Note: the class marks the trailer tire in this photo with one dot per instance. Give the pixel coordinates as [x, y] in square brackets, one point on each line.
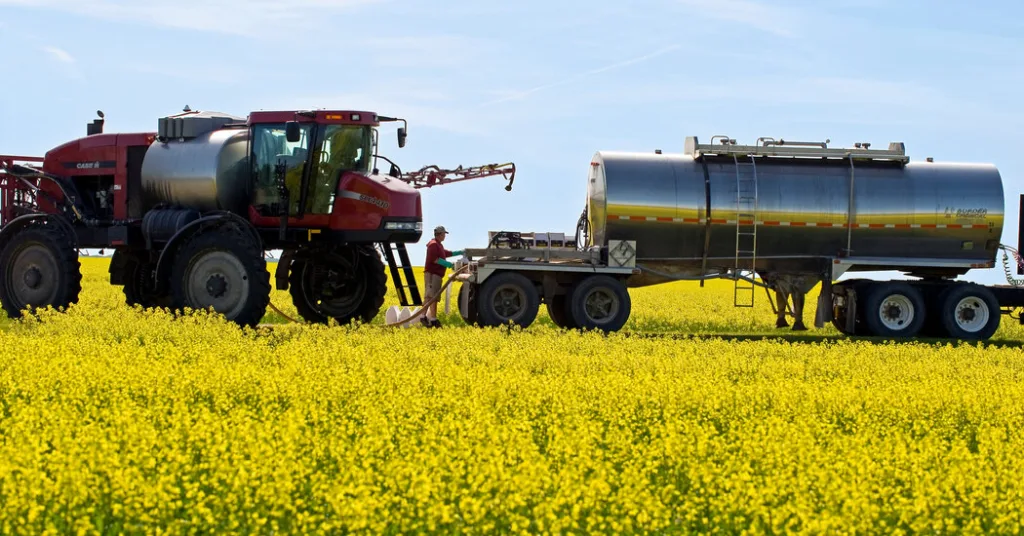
[369, 291]
[893, 309]
[468, 304]
[40, 269]
[558, 311]
[969, 312]
[520, 301]
[839, 319]
[224, 270]
[599, 302]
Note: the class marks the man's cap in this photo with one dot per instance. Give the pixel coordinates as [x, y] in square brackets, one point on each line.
[440, 229]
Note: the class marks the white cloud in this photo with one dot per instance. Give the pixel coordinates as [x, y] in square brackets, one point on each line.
[59, 54]
[519, 95]
[773, 18]
[239, 17]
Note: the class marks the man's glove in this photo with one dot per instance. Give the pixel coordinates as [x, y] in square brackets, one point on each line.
[457, 252]
[445, 263]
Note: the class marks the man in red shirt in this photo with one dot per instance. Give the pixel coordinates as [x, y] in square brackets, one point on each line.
[433, 273]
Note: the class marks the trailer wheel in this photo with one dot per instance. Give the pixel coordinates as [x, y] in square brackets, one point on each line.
[507, 297]
[839, 317]
[893, 309]
[351, 287]
[969, 312]
[468, 304]
[225, 271]
[558, 311]
[599, 302]
[40, 269]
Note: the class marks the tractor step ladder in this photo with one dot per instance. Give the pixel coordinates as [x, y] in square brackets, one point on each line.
[746, 231]
[402, 276]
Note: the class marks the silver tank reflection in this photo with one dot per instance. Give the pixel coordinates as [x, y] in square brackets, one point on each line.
[810, 195]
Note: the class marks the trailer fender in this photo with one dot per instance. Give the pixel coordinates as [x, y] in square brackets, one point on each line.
[21, 222]
[209, 221]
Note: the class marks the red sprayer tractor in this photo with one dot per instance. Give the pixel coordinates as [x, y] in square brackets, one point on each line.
[191, 210]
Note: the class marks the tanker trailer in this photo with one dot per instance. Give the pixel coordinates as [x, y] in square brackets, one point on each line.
[785, 216]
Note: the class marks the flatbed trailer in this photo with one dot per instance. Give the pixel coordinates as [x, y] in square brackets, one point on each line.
[580, 288]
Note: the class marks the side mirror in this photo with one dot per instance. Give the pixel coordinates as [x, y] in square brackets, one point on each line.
[393, 171]
[291, 131]
[401, 136]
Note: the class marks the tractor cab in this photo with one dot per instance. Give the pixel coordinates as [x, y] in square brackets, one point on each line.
[297, 159]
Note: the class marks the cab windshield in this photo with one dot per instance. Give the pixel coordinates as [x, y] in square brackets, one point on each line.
[336, 149]
[341, 148]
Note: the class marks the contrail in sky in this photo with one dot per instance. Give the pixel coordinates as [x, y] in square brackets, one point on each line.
[522, 94]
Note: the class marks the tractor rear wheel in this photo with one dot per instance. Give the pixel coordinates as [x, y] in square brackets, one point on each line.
[346, 284]
[223, 270]
[40, 268]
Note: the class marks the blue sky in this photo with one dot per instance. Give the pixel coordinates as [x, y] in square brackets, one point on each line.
[542, 84]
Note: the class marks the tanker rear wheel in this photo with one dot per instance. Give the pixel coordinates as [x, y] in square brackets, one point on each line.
[893, 309]
[351, 287]
[968, 311]
[40, 269]
[222, 270]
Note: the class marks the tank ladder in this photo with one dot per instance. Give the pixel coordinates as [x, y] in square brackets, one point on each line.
[408, 282]
[746, 232]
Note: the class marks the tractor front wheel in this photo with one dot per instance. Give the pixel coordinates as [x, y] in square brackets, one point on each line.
[348, 283]
[223, 270]
[40, 268]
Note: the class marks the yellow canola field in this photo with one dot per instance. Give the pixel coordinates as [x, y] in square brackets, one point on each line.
[115, 421]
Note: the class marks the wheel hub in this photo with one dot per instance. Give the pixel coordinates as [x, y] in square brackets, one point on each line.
[33, 278]
[216, 285]
[219, 280]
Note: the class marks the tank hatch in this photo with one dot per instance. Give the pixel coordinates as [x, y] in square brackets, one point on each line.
[192, 124]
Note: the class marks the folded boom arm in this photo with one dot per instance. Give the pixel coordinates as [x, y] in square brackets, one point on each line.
[429, 176]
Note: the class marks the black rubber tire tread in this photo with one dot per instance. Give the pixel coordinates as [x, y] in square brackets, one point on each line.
[948, 300]
[134, 291]
[238, 243]
[558, 311]
[839, 322]
[55, 238]
[877, 291]
[576, 304]
[488, 317]
[471, 316]
[368, 309]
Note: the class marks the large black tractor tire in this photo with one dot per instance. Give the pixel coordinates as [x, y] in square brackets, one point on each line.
[508, 297]
[968, 311]
[322, 290]
[222, 269]
[40, 268]
[139, 282]
[558, 312]
[892, 309]
[600, 303]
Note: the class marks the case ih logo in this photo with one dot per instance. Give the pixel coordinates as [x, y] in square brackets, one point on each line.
[95, 164]
[349, 194]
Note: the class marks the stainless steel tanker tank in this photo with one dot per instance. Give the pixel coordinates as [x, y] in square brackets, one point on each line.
[905, 216]
[207, 171]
